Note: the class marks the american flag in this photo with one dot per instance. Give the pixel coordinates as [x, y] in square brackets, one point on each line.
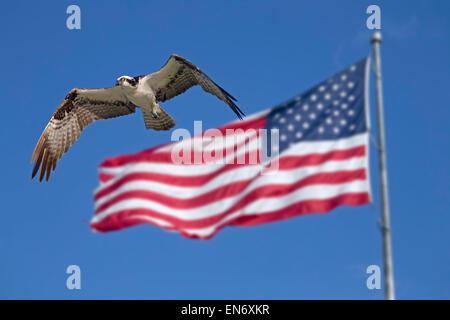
[320, 162]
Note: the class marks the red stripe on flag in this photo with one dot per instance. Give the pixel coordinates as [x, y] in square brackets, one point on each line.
[313, 159]
[262, 192]
[104, 177]
[149, 154]
[187, 181]
[124, 219]
[233, 189]
[285, 163]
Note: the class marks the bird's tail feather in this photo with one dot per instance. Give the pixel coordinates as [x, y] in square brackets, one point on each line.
[161, 122]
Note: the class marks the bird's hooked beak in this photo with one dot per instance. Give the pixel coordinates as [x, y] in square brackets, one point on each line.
[117, 82]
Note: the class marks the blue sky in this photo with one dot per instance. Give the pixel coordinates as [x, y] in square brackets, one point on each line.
[263, 52]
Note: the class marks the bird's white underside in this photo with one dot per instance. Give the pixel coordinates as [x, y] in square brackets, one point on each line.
[84, 106]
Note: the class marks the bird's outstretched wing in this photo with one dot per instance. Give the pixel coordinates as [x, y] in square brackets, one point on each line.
[178, 75]
[78, 109]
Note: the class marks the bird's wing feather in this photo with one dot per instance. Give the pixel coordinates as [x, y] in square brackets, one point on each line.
[78, 109]
[178, 75]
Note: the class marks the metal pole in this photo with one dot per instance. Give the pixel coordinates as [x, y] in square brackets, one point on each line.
[385, 220]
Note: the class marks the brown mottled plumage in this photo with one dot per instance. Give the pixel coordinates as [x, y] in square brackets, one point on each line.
[79, 108]
[178, 75]
[83, 106]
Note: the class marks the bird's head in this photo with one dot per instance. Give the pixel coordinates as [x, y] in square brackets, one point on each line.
[126, 81]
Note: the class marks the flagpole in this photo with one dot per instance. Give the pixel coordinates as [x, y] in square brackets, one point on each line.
[385, 219]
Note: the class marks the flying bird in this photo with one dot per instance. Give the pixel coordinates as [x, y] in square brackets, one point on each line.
[81, 107]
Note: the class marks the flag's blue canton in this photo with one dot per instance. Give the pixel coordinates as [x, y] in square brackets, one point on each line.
[333, 109]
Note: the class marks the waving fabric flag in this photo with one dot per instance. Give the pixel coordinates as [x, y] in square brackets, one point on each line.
[321, 162]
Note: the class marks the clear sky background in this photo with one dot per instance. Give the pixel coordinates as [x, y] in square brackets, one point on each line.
[263, 52]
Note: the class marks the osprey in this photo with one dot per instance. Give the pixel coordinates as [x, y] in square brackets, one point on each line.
[83, 106]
